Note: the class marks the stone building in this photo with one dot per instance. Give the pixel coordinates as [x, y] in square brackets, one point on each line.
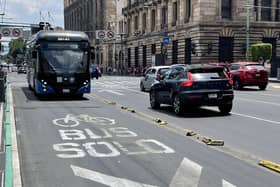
[199, 31]
[92, 15]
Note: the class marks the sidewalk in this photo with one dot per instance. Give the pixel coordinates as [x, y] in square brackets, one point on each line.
[274, 80]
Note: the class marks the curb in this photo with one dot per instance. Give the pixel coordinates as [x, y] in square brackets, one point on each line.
[274, 81]
[12, 167]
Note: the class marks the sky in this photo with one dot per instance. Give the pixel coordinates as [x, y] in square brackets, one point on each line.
[28, 11]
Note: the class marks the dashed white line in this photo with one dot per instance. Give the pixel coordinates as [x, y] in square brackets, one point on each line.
[257, 118]
[2, 179]
[1, 123]
[258, 101]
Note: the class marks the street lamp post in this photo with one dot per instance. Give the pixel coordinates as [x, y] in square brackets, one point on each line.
[247, 25]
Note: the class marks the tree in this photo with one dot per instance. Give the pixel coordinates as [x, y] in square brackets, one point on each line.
[16, 47]
[261, 51]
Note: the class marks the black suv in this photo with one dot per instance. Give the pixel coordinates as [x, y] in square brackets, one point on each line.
[193, 86]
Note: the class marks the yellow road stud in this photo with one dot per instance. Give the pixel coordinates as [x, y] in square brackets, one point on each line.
[270, 165]
[124, 107]
[191, 133]
[163, 122]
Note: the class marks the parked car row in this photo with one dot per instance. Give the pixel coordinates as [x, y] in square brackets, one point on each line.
[188, 86]
[242, 74]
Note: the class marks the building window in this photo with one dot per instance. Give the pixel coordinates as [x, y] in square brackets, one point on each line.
[266, 10]
[136, 23]
[256, 9]
[187, 10]
[144, 22]
[226, 9]
[120, 26]
[277, 15]
[128, 26]
[154, 49]
[153, 20]
[175, 14]
[136, 56]
[164, 16]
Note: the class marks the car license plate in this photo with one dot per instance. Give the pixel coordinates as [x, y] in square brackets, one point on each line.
[258, 75]
[65, 90]
[212, 96]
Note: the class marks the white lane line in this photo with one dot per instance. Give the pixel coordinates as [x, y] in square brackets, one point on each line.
[257, 118]
[1, 123]
[2, 179]
[15, 154]
[258, 101]
[105, 179]
[187, 175]
[111, 91]
[271, 95]
[227, 184]
[256, 94]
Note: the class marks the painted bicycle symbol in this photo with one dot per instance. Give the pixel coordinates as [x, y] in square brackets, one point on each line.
[73, 121]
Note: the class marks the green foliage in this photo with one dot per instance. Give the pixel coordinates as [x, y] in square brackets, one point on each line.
[16, 47]
[261, 51]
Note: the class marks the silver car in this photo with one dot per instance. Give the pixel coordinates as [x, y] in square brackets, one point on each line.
[152, 75]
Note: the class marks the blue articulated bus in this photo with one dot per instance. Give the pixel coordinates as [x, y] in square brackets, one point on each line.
[58, 63]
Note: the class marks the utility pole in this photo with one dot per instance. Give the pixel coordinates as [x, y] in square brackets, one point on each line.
[165, 31]
[247, 25]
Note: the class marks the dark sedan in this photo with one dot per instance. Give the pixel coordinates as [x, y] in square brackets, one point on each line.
[194, 86]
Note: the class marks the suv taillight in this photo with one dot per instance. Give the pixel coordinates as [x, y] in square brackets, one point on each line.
[188, 82]
[229, 77]
[158, 75]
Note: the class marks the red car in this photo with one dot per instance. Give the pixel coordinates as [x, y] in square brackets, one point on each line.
[248, 74]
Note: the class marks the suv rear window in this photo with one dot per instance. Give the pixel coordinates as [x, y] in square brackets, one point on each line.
[163, 71]
[208, 75]
[254, 66]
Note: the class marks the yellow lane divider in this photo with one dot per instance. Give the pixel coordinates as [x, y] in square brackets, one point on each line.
[270, 165]
[206, 140]
[191, 133]
[160, 122]
[210, 141]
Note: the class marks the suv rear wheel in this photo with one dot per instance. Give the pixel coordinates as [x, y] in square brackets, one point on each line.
[262, 86]
[236, 84]
[225, 108]
[153, 100]
[177, 105]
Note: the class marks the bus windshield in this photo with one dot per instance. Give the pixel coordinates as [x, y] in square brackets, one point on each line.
[63, 57]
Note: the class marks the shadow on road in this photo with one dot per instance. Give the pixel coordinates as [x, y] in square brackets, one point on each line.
[30, 95]
[191, 113]
[250, 89]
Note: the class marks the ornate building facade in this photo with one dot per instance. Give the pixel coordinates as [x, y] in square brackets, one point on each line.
[92, 15]
[198, 31]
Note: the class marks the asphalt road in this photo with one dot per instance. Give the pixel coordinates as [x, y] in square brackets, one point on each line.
[90, 142]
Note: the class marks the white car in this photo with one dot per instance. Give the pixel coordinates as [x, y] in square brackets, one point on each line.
[152, 75]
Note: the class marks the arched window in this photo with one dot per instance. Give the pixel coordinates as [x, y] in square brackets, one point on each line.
[226, 9]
